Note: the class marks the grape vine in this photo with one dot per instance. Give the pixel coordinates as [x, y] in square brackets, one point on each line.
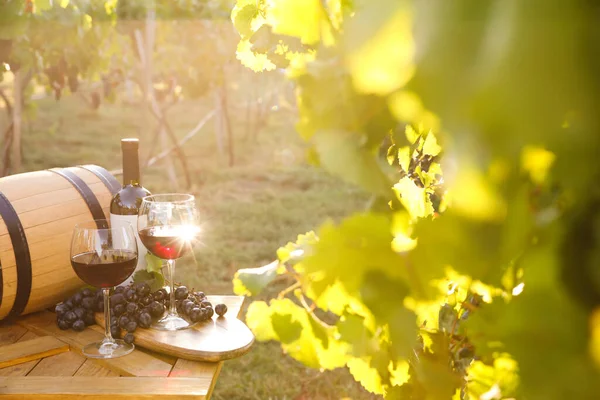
[470, 276]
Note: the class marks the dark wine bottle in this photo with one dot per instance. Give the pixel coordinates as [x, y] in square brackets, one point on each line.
[126, 203]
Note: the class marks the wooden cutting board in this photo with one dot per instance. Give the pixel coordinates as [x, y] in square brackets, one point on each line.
[220, 338]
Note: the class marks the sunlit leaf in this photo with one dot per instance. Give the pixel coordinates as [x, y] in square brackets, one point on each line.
[406, 106]
[411, 134]
[536, 161]
[251, 281]
[286, 329]
[399, 374]
[415, 199]
[473, 196]
[243, 17]
[305, 20]
[259, 321]
[153, 263]
[431, 146]
[365, 374]
[341, 153]
[383, 62]
[255, 61]
[404, 155]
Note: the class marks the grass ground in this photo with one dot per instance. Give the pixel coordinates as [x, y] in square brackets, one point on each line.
[248, 211]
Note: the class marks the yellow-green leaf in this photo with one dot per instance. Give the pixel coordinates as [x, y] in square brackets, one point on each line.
[431, 146]
[304, 19]
[383, 62]
[415, 199]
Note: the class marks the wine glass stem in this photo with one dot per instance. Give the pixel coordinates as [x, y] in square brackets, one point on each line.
[107, 336]
[171, 272]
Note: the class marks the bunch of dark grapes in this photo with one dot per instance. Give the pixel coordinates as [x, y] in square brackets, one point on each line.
[194, 305]
[133, 306]
[77, 311]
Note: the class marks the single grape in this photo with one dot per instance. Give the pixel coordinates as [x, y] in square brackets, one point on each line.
[144, 320]
[158, 296]
[147, 300]
[200, 295]
[115, 331]
[116, 299]
[76, 298]
[88, 303]
[123, 321]
[221, 309]
[143, 289]
[79, 312]
[119, 309]
[70, 317]
[129, 294]
[204, 314]
[119, 289]
[156, 309]
[131, 326]
[187, 307]
[89, 319]
[61, 309]
[100, 306]
[205, 304]
[87, 292]
[63, 325]
[195, 314]
[69, 304]
[131, 308]
[128, 338]
[78, 325]
[181, 293]
[210, 312]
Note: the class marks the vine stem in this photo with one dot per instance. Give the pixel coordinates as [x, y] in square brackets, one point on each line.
[310, 311]
[285, 291]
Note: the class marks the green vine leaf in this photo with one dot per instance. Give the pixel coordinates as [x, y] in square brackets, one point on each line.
[251, 281]
[153, 263]
[342, 154]
[154, 279]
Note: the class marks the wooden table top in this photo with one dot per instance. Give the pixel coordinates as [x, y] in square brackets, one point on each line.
[37, 358]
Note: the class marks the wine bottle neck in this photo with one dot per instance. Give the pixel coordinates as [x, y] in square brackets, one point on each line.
[131, 167]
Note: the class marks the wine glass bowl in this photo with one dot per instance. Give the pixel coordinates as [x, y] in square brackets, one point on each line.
[104, 257]
[168, 228]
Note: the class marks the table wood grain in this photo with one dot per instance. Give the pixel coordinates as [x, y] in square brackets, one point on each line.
[143, 374]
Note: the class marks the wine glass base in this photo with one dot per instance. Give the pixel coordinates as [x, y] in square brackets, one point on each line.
[171, 323]
[117, 348]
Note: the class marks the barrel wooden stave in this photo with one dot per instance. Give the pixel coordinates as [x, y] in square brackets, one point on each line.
[48, 206]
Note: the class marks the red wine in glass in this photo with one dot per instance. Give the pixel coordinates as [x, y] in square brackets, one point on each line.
[105, 270]
[104, 256]
[169, 242]
[168, 228]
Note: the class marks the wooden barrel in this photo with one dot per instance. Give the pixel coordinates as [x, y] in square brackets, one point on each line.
[38, 211]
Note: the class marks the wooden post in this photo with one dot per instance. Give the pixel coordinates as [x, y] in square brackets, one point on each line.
[16, 120]
[218, 120]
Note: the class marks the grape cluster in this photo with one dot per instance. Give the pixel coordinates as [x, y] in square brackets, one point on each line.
[77, 311]
[133, 306]
[194, 305]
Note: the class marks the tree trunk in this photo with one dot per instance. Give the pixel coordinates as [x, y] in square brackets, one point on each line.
[16, 124]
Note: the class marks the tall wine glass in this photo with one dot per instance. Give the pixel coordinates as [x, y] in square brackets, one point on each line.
[104, 257]
[168, 225]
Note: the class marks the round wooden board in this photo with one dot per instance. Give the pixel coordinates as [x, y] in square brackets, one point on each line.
[221, 338]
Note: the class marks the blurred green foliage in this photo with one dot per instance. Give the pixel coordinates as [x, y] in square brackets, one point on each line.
[478, 280]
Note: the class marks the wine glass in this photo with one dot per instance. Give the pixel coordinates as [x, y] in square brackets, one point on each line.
[167, 225]
[104, 257]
